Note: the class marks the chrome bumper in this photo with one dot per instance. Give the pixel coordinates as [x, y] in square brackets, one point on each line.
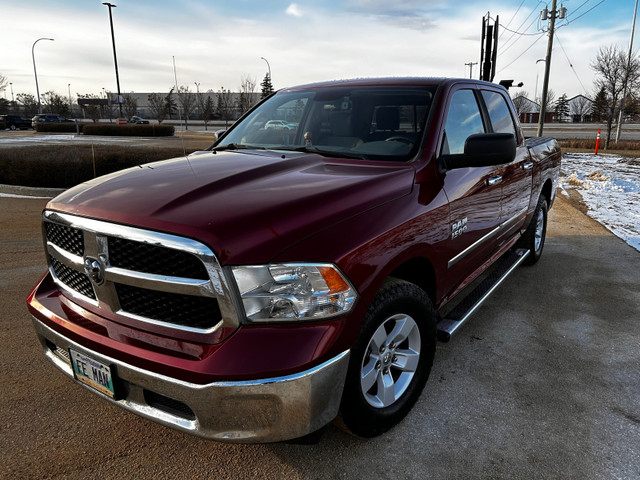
[264, 410]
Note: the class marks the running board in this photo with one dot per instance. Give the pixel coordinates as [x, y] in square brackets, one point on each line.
[461, 313]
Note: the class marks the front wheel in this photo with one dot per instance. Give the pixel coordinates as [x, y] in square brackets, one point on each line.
[391, 360]
[534, 237]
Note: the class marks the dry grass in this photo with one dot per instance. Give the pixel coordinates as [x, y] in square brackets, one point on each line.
[626, 148]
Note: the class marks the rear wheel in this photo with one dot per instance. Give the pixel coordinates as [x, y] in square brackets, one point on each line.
[391, 360]
[533, 239]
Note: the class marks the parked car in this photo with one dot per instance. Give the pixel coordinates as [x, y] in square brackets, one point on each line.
[15, 122]
[138, 120]
[251, 292]
[48, 117]
[278, 125]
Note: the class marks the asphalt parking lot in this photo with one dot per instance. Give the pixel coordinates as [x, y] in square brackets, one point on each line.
[543, 383]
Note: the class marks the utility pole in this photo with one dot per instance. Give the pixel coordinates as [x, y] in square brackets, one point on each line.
[624, 90]
[470, 65]
[115, 58]
[547, 67]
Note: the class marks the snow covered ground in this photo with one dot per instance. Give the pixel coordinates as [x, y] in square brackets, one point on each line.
[610, 187]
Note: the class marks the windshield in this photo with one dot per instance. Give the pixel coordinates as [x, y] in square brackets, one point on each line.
[377, 123]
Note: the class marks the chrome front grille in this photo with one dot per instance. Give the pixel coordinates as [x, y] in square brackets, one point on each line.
[77, 281]
[139, 275]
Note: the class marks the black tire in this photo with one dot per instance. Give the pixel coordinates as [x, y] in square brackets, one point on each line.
[400, 311]
[12, 127]
[533, 239]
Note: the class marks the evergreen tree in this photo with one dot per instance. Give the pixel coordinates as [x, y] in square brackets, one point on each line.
[267, 87]
[562, 108]
[600, 110]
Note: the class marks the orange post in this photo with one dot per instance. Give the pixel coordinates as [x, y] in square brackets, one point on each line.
[597, 141]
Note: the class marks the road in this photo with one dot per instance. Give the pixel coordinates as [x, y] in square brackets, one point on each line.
[581, 130]
[542, 383]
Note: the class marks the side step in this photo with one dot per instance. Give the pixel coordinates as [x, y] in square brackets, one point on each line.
[461, 313]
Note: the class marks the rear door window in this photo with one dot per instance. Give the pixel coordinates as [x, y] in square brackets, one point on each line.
[499, 113]
[463, 120]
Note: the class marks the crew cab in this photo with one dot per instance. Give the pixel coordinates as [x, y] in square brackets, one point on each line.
[253, 291]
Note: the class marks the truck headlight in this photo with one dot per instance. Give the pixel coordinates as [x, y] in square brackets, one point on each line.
[293, 291]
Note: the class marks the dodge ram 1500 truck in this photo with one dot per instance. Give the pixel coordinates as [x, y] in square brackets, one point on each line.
[254, 291]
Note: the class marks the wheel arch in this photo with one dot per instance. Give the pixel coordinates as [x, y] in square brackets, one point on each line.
[547, 190]
[419, 271]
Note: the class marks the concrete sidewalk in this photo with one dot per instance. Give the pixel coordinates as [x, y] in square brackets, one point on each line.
[543, 383]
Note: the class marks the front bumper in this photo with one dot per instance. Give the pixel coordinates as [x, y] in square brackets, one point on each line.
[264, 410]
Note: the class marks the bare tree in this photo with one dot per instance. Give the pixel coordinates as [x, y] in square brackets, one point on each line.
[551, 100]
[247, 87]
[187, 101]
[28, 103]
[130, 105]
[206, 107]
[521, 101]
[160, 106]
[581, 106]
[109, 109]
[225, 105]
[4, 81]
[55, 103]
[613, 73]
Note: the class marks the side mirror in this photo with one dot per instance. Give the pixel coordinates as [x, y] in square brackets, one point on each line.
[220, 132]
[483, 150]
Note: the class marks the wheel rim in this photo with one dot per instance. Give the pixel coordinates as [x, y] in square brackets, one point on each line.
[390, 361]
[539, 230]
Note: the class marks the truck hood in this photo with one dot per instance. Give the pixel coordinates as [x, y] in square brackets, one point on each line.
[248, 206]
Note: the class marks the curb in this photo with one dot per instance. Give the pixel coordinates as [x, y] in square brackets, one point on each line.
[30, 191]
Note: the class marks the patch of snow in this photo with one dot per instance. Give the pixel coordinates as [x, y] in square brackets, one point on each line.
[12, 195]
[28, 140]
[610, 187]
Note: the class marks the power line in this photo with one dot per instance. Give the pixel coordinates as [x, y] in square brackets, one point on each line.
[535, 18]
[509, 22]
[570, 63]
[540, 35]
[596, 5]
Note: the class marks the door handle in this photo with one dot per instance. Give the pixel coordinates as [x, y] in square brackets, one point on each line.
[528, 166]
[494, 180]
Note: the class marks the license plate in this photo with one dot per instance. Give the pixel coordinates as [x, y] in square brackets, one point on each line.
[93, 373]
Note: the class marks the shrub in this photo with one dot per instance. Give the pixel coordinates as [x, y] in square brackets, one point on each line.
[68, 127]
[63, 166]
[134, 130]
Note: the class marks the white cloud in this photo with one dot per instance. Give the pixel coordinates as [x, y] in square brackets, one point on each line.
[294, 10]
[215, 43]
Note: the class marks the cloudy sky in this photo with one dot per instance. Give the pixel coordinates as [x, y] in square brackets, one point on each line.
[216, 42]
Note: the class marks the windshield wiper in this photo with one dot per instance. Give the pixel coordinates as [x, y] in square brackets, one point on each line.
[324, 153]
[236, 146]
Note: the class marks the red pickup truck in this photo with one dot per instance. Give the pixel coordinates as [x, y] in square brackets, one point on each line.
[254, 291]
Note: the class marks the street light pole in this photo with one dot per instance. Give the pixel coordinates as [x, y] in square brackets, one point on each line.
[269, 67]
[624, 90]
[115, 58]
[35, 73]
[11, 85]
